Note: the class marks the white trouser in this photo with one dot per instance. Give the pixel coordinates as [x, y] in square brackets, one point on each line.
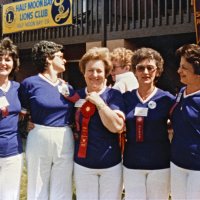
[146, 184]
[49, 154]
[185, 184]
[98, 184]
[10, 176]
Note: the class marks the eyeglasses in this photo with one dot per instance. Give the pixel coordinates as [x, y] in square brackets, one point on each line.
[59, 56]
[150, 68]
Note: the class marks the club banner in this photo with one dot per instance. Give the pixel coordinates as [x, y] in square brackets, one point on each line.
[197, 19]
[36, 14]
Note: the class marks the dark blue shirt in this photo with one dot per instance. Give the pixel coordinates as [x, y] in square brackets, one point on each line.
[10, 140]
[154, 151]
[46, 104]
[103, 149]
[185, 147]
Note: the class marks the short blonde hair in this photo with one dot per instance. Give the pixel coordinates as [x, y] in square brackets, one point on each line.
[122, 55]
[97, 53]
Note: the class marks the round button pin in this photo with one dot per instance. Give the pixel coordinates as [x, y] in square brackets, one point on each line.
[152, 104]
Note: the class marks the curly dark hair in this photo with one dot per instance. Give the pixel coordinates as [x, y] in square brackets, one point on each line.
[42, 50]
[147, 53]
[191, 52]
[8, 48]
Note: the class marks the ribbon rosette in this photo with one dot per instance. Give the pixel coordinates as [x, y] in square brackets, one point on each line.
[87, 110]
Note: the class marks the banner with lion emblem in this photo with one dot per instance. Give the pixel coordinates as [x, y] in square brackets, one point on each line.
[36, 14]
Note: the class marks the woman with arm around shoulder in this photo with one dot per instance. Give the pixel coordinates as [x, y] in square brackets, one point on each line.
[185, 153]
[98, 169]
[50, 145]
[11, 159]
[146, 157]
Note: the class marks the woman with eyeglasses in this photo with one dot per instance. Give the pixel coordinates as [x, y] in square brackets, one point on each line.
[50, 146]
[146, 157]
[11, 158]
[99, 119]
[121, 72]
[185, 147]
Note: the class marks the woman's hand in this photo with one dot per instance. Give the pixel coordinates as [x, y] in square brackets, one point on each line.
[110, 118]
[30, 125]
[94, 98]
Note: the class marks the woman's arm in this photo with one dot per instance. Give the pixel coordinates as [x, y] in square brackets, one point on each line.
[111, 119]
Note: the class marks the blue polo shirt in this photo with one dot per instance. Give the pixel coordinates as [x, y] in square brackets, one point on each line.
[103, 149]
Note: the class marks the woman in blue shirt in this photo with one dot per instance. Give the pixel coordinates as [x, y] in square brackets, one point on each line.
[146, 156]
[11, 159]
[185, 147]
[50, 145]
[98, 168]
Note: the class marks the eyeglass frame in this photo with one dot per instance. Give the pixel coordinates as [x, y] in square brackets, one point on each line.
[150, 68]
[59, 56]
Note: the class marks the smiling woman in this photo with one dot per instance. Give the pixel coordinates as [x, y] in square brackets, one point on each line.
[146, 156]
[10, 141]
[185, 167]
[99, 121]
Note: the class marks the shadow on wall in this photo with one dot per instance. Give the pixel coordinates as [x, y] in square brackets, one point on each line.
[74, 76]
[26, 67]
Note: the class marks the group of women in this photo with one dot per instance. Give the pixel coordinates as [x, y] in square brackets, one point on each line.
[100, 115]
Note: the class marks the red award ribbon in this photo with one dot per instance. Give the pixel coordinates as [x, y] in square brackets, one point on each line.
[4, 111]
[139, 129]
[87, 110]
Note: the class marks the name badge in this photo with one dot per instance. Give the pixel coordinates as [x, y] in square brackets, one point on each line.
[140, 111]
[3, 102]
[79, 103]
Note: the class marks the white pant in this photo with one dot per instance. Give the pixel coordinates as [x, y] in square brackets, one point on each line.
[185, 183]
[10, 176]
[98, 184]
[146, 184]
[49, 153]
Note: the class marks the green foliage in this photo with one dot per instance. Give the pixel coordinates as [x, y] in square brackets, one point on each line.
[23, 193]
